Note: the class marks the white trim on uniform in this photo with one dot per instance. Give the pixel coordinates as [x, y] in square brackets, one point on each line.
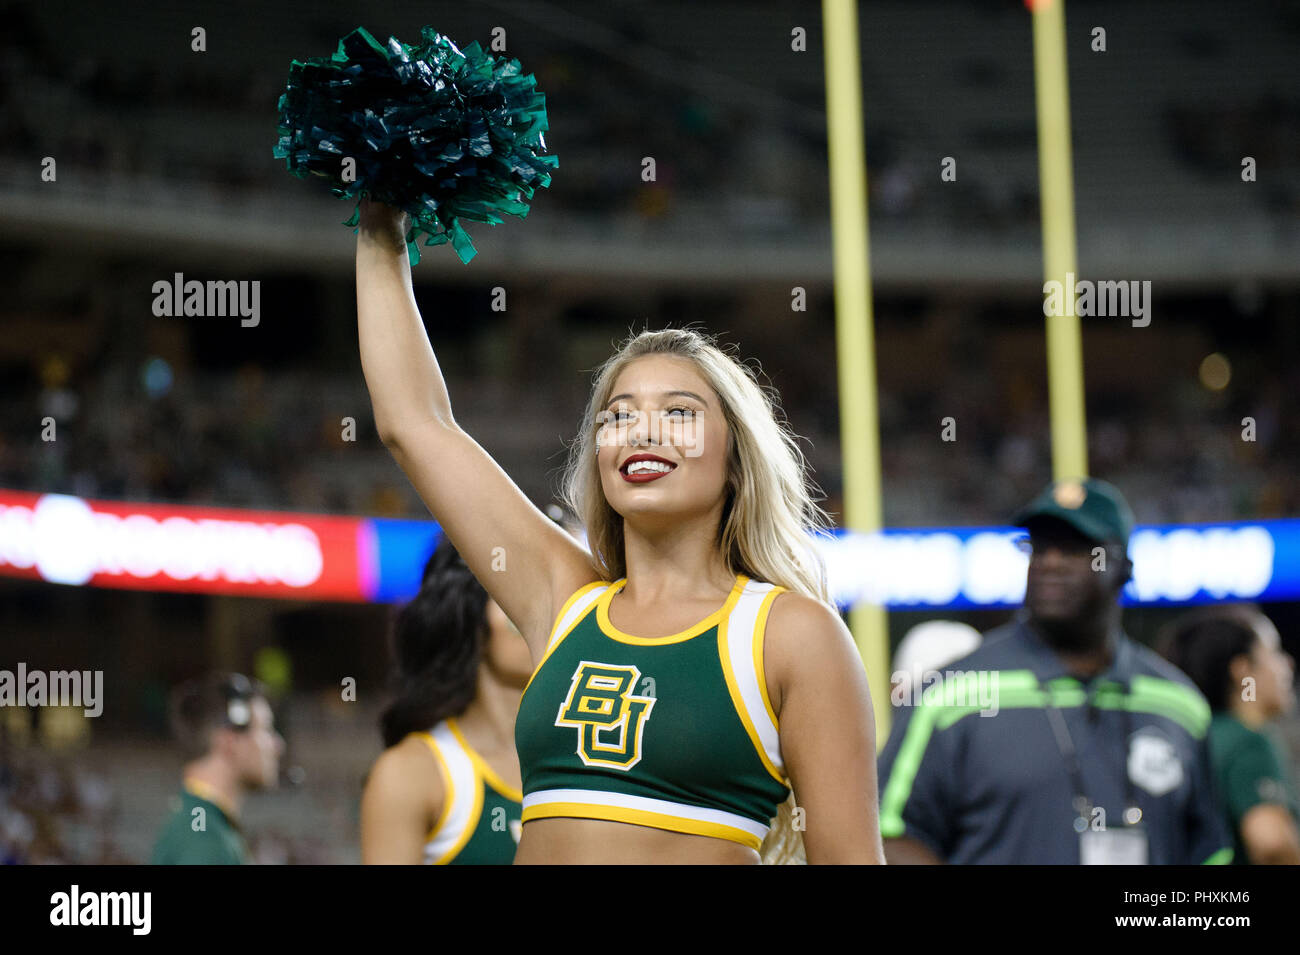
[740, 654]
[575, 613]
[658, 807]
[465, 794]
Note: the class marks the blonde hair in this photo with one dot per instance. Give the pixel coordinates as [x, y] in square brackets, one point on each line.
[769, 508]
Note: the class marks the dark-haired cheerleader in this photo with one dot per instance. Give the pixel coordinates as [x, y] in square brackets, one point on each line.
[447, 789]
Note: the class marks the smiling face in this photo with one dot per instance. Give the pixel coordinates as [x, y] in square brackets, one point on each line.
[663, 442]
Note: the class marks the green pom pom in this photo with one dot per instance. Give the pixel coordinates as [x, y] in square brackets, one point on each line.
[442, 133]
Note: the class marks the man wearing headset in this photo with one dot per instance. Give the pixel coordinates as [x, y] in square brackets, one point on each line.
[1060, 740]
[226, 728]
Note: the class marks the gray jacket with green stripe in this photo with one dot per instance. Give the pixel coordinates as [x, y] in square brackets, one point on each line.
[974, 770]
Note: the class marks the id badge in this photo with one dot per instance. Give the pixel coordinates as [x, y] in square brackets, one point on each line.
[1124, 845]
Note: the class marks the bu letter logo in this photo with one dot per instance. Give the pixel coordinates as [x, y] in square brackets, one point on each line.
[608, 716]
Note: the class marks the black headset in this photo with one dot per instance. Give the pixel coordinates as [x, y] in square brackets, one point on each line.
[239, 694]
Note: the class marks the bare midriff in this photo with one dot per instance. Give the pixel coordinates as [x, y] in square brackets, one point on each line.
[598, 842]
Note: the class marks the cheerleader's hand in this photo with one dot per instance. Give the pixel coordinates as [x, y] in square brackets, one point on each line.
[383, 224]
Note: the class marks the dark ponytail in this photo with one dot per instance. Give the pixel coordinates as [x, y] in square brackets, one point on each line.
[437, 645]
[1204, 643]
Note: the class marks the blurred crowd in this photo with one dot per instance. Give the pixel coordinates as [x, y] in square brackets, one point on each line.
[256, 439]
[60, 806]
[240, 440]
[53, 811]
[1179, 455]
[194, 126]
[741, 147]
[1211, 137]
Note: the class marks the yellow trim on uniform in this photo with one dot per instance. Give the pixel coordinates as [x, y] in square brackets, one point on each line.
[197, 787]
[712, 620]
[449, 794]
[551, 642]
[640, 817]
[584, 686]
[482, 766]
[738, 703]
[577, 594]
[760, 634]
[470, 825]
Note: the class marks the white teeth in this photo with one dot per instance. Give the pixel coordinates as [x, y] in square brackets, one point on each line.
[638, 466]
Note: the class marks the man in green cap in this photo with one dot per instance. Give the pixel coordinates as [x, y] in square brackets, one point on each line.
[1091, 749]
[226, 727]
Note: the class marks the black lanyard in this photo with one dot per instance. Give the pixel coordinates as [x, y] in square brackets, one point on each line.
[1082, 804]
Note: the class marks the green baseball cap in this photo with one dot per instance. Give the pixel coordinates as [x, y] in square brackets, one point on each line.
[1094, 508]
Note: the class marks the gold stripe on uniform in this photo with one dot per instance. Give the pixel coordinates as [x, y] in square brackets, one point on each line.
[481, 765]
[448, 795]
[551, 642]
[760, 631]
[471, 822]
[640, 817]
[738, 702]
[716, 618]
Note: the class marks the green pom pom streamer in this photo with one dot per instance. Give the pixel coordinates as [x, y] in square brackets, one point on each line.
[442, 133]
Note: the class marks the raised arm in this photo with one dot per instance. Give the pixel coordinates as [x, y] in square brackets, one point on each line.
[523, 559]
